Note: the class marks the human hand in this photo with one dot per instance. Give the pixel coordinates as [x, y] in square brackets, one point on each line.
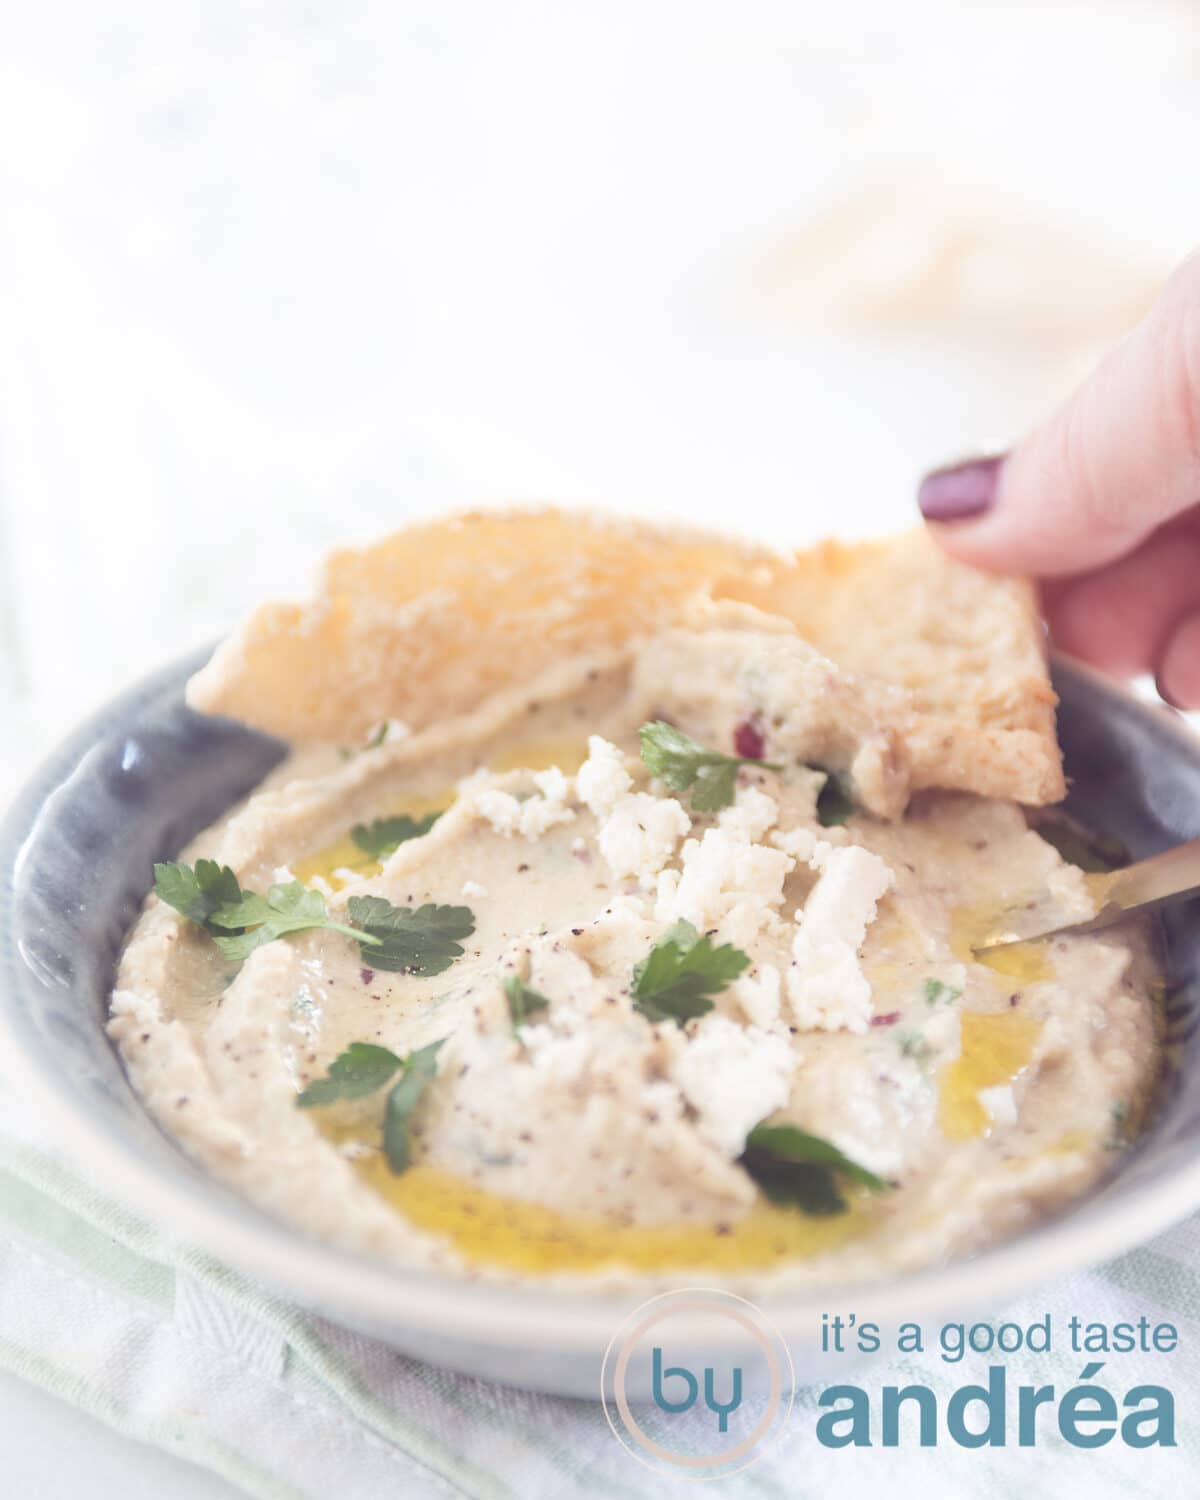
[1102, 504]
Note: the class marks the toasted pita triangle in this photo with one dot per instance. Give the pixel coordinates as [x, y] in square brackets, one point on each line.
[429, 622]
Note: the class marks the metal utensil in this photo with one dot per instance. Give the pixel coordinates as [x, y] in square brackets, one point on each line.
[1171, 876]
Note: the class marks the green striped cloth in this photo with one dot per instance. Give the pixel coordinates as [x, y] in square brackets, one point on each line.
[172, 1348]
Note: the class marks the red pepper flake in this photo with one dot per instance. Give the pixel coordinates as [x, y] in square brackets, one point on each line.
[889, 1019]
[366, 975]
[748, 739]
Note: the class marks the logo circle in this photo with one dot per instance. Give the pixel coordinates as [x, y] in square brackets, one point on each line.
[705, 1338]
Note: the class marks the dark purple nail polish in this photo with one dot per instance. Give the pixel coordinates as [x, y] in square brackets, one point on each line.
[959, 491]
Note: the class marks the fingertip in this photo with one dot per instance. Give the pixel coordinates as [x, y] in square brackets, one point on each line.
[1086, 619]
[975, 511]
[1122, 617]
[1178, 675]
[961, 491]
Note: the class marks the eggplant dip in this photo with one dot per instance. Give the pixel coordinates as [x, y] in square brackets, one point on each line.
[651, 954]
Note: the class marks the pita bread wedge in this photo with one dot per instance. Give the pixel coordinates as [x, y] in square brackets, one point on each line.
[968, 646]
[434, 619]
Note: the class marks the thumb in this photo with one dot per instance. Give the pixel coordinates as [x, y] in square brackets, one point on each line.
[1116, 461]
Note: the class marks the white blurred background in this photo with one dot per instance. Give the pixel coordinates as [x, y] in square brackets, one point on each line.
[274, 276]
[279, 275]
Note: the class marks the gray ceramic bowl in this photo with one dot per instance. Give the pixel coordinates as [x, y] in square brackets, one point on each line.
[136, 782]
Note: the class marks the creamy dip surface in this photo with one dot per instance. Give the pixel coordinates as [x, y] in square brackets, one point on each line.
[589, 1140]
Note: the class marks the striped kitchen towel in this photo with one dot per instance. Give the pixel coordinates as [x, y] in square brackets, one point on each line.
[112, 1314]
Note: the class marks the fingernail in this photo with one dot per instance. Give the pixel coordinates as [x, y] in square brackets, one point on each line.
[960, 491]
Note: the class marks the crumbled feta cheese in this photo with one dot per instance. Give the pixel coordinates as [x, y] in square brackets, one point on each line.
[602, 780]
[801, 843]
[751, 814]
[638, 832]
[744, 923]
[500, 809]
[639, 836]
[727, 880]
[565, 1057]
[1000, 1104]
[473, 888]
[758, 994]
[827, 989]
[553, 785]
[720, 871]
[283, 875]
[733, 1077]
[842, 903]
[533, 816]
[825, 983]
[664, 1099]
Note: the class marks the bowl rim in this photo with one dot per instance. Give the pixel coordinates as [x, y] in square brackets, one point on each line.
[365, 1291]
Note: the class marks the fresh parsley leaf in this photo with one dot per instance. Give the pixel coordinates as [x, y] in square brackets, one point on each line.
[679, 761]
[239, 920]
[675, 980]
[522, 1001]
[417, 1072]
[938, 993]
[806, 1186]
[834, 806]
[197, 893]
[424, 940]
[364, 1068]
[1094, 852]
[790, 1143]
[795, 1168]
[384, 836]
[358, 1071]
[254, 920]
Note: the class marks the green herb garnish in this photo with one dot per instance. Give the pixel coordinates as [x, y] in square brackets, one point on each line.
[1094, 852]
[197, 892]
[522, 1001]
[384, 836]
[417, 1072]
[237, 920]
[937, 993]
[675, 980]
[682, 763]
[423, 941]
[801, 1170]
[834, 805]
[362, 1069]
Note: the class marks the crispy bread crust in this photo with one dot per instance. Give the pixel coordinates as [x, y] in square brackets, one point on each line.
[434, 619]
